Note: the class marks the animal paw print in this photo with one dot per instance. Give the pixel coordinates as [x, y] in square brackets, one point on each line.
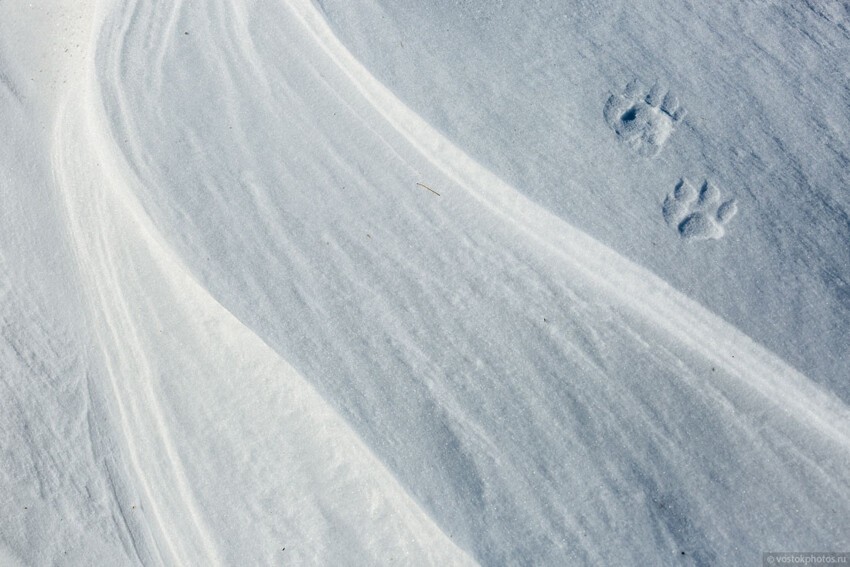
[644, 122]
[698, 215]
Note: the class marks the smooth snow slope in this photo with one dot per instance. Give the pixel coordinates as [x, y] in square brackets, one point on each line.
[766, 86]
[288, 343]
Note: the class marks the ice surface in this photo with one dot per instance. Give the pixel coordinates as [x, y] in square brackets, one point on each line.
[376, 283]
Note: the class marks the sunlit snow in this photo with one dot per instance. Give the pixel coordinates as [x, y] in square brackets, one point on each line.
[350, 282]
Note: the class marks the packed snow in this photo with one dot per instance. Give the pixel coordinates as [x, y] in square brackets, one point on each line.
[349, 282]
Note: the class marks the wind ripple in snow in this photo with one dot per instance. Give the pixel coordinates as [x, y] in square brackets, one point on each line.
[539, 397]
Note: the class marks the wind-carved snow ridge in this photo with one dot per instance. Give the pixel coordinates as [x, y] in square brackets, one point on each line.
[614, 280]
[635, 286]
[156, 465]
[175, 453]
[235, 457]
[644, 121]
[581, 395]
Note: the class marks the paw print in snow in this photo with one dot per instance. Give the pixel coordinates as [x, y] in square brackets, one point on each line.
[644, 122]
[698, 216]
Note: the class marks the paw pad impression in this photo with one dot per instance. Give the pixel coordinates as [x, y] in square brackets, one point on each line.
[698, 215]
[644, 121]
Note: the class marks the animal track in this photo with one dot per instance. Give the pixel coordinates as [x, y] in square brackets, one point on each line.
[698, 216]
[644, 122]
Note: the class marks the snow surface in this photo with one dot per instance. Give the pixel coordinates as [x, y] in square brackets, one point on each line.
[360, 283]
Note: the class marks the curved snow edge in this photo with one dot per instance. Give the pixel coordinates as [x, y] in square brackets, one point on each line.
[92, 176]
[632, 286]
